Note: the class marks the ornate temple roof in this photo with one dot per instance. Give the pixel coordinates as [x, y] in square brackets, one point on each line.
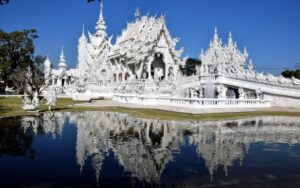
[218, 53]
[142, 36]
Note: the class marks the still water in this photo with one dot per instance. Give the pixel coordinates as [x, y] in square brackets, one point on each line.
[102, 149]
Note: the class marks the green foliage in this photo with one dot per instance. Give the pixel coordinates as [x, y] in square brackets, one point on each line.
[190, 66]
[17, 57]
[91, 1]
[291, 73]
[2, 2]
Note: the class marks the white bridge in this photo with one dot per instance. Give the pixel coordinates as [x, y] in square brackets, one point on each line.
[193, 103]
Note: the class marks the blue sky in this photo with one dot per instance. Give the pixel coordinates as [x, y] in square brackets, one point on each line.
[269, 28]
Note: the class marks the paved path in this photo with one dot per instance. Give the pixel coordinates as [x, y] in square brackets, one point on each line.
[111, 103]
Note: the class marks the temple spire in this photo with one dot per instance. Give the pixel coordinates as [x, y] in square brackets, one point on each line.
[137, 13]
[83, 32]
[62, 62]
[216, 41]
[230, 43]
[47, 62]
[101, 9]
[101, 27]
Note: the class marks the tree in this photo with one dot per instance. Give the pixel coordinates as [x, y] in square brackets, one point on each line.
[190, 66]
[15, 140]
[16, 57]
[287, 74]
[91, 1]
[2, 2]
[291, 73]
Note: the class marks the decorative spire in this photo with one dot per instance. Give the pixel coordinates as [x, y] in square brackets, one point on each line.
[137, 13]
[216, 41]
[83, 32]
[101, 9]
[47, 62]
[246, 52]
[230, 40]
[202, 51]
[83, 38]
[230, 43]
[62, 62]
[101, 27]
[216, 36]
[62, 55]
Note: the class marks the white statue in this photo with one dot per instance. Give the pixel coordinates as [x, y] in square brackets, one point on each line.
[201, 92]
[259, 94]
[158, 73]
[171, 75]
[221, 92]
[242, 94]
[9, 90]
[36, 100]
[31, 105]
[295, 81]
[51, 98]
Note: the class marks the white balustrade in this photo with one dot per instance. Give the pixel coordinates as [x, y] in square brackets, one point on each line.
[193, 103]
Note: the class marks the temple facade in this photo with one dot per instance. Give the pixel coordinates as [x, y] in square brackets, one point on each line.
[60, 78]
[144, 67]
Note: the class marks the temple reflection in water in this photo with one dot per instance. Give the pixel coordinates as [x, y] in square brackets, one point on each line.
[145, 147]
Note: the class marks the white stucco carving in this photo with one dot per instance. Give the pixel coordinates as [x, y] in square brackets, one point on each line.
[31, 104]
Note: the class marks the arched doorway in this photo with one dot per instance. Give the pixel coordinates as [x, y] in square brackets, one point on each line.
[158, 68]
[232, 93]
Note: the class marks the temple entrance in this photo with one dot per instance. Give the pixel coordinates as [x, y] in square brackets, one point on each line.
[63, 82]
[232, 93]
[152, 71]
[158, 68]
[126, 76]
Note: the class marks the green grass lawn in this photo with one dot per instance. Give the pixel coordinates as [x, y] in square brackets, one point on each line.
[12, 107]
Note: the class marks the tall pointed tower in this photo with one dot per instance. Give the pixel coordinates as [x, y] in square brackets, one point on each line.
[101, 27]
[83, 54]
[47, 70]
[62, 62]
[99, 49]
[216, 42]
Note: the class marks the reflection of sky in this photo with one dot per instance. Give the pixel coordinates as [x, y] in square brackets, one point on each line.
[112, 145]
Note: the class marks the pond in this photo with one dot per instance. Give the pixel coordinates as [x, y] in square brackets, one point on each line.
[105, 149]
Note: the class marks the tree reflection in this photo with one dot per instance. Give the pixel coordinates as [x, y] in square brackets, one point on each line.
[15, 140]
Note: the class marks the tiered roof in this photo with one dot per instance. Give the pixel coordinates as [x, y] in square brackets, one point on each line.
[141, 37]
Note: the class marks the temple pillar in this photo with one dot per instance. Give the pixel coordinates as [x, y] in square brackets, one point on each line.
[123, 76]
[166, 71]
[149, 71]
[117, 77]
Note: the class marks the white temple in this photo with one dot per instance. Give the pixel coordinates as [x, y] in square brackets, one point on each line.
[143, 67]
